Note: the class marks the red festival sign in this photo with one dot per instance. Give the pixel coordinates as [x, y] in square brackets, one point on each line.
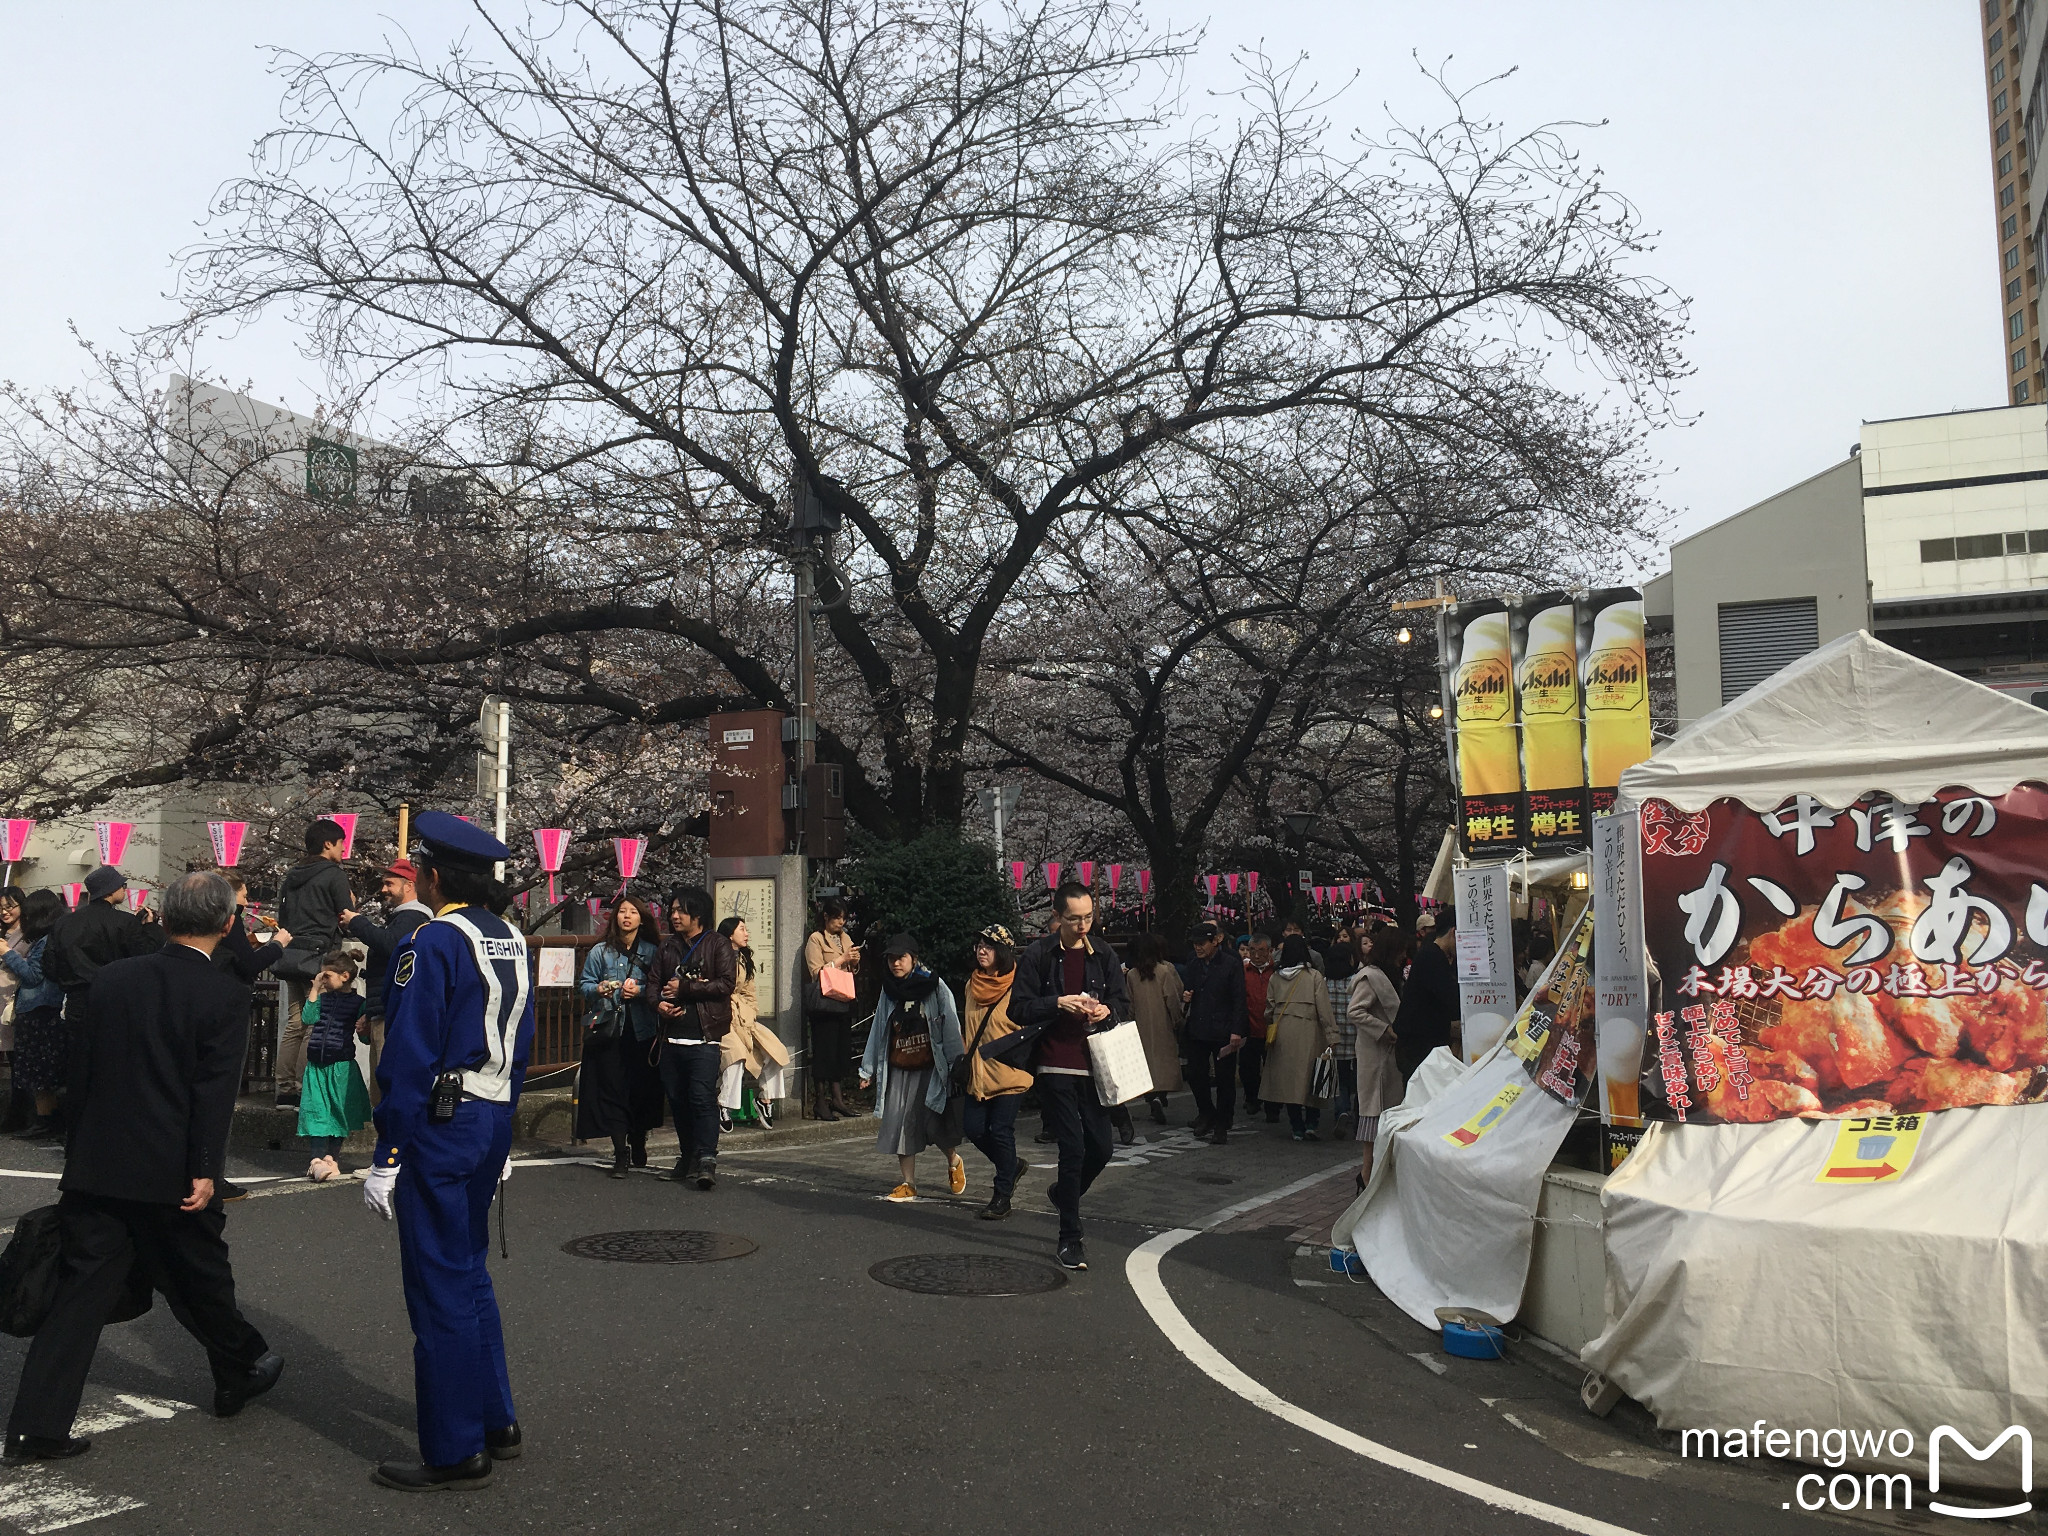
[1882, 959]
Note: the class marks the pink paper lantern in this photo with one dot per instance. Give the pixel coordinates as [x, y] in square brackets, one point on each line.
[1052, 874]
[629, 852]
[227, 838]
[1230, 883]
[1087, 868]
[1212, 881]
[346, 820]
[1144, 882]
[138, 898]
[551, 843]
[596, 906]
[1017, 867]
[1116, 873]
[18, 829]
[1319, 893]
[113, 836]
[72, 892]
[1251, 881]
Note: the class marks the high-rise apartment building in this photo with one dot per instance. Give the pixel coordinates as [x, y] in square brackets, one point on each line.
[2015, 85]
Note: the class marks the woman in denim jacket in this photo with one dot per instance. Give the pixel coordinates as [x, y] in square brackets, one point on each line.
[39, 1044]
[619, 1089]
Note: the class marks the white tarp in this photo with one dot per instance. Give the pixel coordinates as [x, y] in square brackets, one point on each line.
[1739, 1289]
[1854, 716]
[1442, 1225]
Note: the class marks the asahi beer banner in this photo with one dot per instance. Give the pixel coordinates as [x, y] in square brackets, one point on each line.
[1615, 671]
[1621, 979]
[1544, 630]
[1879, 960]
[1479, 665]
[1486, 956]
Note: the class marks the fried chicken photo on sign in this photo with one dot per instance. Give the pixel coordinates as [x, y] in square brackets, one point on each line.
[1782, 1087]
[1935, 1024]
[2009, 1028]
[1930, 1082]
[1792, 944]
[1844, 1038]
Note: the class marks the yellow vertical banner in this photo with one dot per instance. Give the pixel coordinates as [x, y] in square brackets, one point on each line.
[1544, 631]
[1615, 671]
[1480, 663]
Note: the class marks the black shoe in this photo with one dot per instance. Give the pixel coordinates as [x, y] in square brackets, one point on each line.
[44, 1129]
[1219, 1137]
[1272, 1115]
[639, 1154]
[724, 1118]
[1159, 1111]
[1127, 1133]
[27, 1448]
[287, 1101]
[1045, 1136]
[1309, 1135]
[995, 1210]
[1072, 1255]
[225, 1190]
[229, 1397]
[707, 1173]
[683, 1172]
[764, 1111]
[619, 1167]
[503, 1444]
[417, 1477]
[1202, 1127]
[1251, 1106]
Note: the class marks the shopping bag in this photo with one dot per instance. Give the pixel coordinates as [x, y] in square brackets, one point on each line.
[836, 982]
[1118, 1056]
[1325, 1084]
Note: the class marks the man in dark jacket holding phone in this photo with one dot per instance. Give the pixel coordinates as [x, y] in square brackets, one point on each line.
[695, 1011]
[1070, 987]
[310, 902]
[157, 1061]
[1216, 1028]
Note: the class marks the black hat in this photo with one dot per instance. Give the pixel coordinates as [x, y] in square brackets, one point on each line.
[104, 881]
[452, 840]
[900, 944]
[1204, 932]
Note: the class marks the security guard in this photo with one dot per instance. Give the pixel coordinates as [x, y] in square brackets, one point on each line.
[459, 1027]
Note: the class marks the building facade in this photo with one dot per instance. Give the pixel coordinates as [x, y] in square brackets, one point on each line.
[2014, 84]
[1932, 534]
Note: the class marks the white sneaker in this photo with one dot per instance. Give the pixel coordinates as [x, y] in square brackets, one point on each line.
[321, 1169]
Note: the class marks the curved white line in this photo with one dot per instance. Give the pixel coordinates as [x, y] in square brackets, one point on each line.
[1142, 1269]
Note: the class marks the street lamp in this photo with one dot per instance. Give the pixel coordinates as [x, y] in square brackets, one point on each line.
[1298, 823]
[1404, 635]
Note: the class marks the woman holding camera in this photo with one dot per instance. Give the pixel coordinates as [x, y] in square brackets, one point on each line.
[618, 1093]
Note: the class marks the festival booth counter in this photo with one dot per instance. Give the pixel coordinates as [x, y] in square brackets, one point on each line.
[1828, 903]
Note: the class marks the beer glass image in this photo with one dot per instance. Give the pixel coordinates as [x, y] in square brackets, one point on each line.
[1617, 694]
[1552, 757]
[1482, 1032]
[1489, 762]
[1618, 1043]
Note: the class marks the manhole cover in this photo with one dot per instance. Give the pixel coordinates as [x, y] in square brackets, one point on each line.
[659, 1247]
[1214, 1178]
[967, 1274]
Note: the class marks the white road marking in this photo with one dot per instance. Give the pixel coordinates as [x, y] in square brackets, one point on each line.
[26, 1173]
[1431, 1364]
[1142, 1269]
[37, 1499]
[126, 1408]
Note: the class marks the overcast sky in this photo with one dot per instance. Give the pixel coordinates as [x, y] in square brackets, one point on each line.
[1817, 171]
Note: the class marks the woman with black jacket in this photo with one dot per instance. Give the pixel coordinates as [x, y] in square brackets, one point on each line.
[618, 1092]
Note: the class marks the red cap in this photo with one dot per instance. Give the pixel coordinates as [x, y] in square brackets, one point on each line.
[403, 869]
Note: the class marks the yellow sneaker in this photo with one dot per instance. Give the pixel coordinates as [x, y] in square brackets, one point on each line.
[903, 1192]
[956, 1175]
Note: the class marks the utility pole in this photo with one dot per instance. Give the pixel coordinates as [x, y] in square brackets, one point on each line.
[494, 764]
[1001, 803]
[811, 522]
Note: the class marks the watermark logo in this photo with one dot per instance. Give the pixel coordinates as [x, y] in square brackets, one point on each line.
[1949, 1432]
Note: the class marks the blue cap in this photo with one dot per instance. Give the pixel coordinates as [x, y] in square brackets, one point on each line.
[452, 838]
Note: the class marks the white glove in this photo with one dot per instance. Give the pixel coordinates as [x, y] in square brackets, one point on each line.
[377, 1190]
[506, 1173]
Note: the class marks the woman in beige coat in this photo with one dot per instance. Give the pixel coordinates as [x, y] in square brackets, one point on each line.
[1301, 1026]
[1158, 1003]
[1374, 1002]
[749, 1048]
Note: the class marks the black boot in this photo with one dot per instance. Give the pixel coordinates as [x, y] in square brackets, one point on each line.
[639, 1144]
[1158, 1103]
[707, 1173]
[619, 1157]
[417, 1477]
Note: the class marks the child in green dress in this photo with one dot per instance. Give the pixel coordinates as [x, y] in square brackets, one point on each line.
[333, 1102]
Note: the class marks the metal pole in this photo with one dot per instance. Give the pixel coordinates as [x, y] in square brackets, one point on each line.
[997, 796]
[504, 776]
[404, 826]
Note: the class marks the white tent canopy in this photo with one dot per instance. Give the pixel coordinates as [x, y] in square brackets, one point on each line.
[1854, 716]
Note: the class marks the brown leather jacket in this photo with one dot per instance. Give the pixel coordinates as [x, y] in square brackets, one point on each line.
[703, 970]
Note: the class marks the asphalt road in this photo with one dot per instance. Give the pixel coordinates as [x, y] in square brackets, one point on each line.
[787, 1391]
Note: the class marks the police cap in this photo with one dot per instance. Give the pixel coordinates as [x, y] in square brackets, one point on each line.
[451, 840]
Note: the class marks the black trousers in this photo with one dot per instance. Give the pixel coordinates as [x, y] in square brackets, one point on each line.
[689, 1076]
[830, 1034]
[1080, 1124]
[991, 1124]
[1213, 1081]
[1251, 1065]
[186, 1258]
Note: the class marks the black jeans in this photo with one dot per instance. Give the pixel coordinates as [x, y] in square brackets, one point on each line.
[829, 1055]
[991, 1124]
[689, 1076]
[1080, 1124]
[186, 1258]
[1202, 1068]
[1301, 1117]
[1251, 1065]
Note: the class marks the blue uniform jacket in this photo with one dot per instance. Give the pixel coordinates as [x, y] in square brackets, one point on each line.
[435, 1000]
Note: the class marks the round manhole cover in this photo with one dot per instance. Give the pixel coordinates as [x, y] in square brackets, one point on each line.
[659, 1247]
[967, 1274]
[1214, 1178]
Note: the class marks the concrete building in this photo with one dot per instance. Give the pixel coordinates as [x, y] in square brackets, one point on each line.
[1932, 534]
[2014, 42]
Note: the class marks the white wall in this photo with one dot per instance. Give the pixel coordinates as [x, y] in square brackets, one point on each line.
[1961, 445]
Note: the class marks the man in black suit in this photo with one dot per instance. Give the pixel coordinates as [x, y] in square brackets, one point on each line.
[156, 1063]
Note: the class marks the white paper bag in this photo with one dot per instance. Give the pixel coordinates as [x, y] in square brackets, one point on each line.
[1118, 1056]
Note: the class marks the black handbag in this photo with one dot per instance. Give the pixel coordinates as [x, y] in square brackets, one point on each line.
[1015, 1048]
[605, 1022]
[32, 1268]
[300, 965]
[818, 1005]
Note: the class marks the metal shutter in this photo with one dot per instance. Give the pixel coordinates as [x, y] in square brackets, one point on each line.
[1759, 638]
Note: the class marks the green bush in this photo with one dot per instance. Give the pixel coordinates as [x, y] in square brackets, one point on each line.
[940, 888]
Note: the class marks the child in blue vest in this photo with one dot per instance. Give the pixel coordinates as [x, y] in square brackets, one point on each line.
[333, 1102]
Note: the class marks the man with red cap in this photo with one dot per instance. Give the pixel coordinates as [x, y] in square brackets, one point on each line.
[404, 912]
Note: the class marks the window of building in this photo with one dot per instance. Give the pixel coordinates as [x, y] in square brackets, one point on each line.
[2004, 130]
[1998, 106]
[1935, 551]
[2005, 196]
[2010, 227]
[2019, 361]
[1980, 546]
[2012, 290]
[1990, 10]
[1997, 41]
[2019, 393]
[2005, 163]
[1759, 638]
[2037, 541]
[1998, 72]
[2012, 258]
